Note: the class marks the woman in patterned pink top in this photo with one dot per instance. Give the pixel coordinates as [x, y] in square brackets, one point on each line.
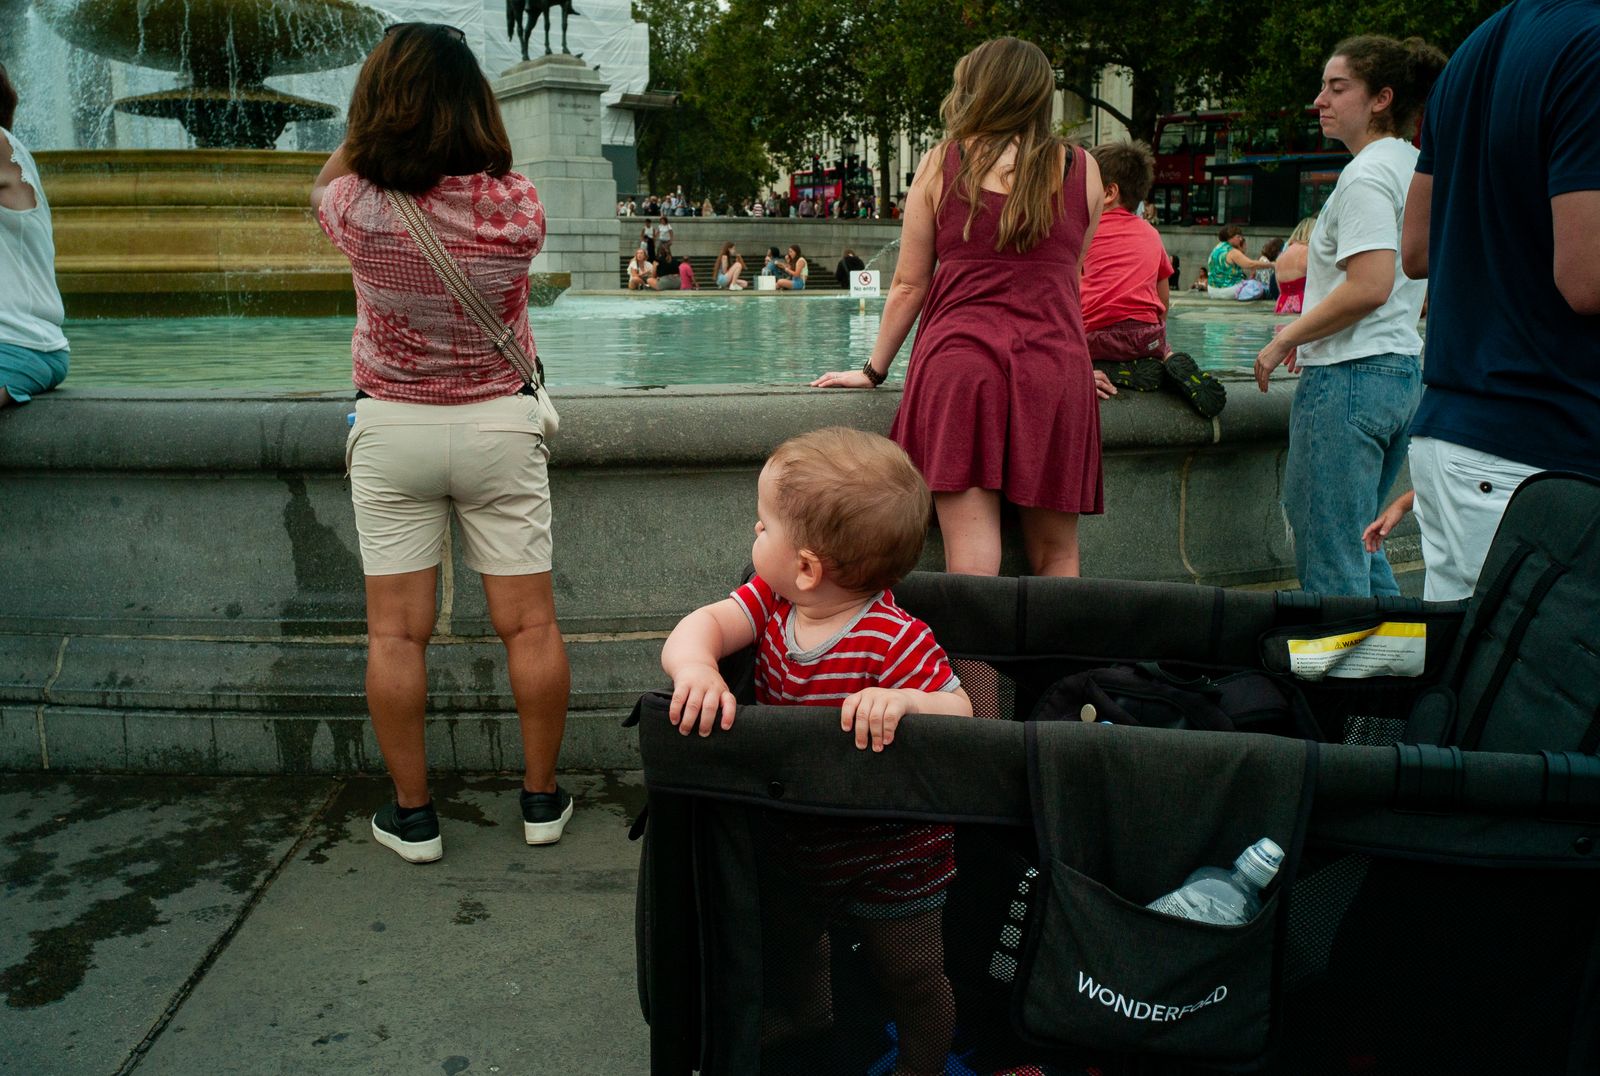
[444, 425]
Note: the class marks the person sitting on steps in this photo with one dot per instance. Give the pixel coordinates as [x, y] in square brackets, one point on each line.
[849, 263]
[730, 268]
[1126, 292]
[642, 272]
[793, 270]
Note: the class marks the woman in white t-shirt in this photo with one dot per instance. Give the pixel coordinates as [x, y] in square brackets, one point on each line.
[1356, 346]
[33, 351]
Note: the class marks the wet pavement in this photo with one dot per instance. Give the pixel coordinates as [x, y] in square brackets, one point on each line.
[181, 925]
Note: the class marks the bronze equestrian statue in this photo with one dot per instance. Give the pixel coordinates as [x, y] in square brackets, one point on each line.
[520, 30]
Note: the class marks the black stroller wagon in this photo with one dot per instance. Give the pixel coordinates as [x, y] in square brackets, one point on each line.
[1430, 774]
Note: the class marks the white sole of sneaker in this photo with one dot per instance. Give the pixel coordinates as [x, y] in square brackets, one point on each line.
[410, 851]
[547, 832]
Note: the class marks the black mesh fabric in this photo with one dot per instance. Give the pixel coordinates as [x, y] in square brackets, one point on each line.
[1462, 939]
[1393, 967]
[840, 992]
[1430, 969]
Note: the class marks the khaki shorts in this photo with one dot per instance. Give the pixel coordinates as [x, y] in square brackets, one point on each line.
[410, 464]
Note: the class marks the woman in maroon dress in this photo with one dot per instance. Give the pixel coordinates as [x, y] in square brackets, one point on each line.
[999, 398]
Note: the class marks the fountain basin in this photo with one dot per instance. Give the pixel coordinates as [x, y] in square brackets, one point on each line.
[197, 232]
[225, 50]
[219, 624]
[213, 40]
[248, 116]
[170, 232]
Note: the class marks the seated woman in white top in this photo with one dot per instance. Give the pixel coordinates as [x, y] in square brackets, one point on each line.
[793, 271]
[642, 272]
[33, 350]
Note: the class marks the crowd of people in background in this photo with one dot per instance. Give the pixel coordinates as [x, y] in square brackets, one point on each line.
[775, 204]
[781, 270]
[1277, 275]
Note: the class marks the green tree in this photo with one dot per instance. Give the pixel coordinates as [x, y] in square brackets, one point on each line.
[1293, 46]
[1175, 52]
[810, 70]
[708, 142]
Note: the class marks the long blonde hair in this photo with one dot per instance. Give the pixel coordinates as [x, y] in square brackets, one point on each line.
[1002, 94]
[1302, 231]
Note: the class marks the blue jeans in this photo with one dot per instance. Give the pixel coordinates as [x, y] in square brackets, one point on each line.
[1347, 442]
[24, 373]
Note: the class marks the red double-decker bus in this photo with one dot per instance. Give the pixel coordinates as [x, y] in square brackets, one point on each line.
[1212, 168]
[830, 183]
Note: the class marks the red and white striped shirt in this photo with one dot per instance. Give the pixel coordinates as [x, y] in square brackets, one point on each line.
[873, 870]
[884, 646]
[413, 343]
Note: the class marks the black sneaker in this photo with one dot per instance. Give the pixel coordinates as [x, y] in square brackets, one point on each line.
[1205, 393]
[414, 838]
[545, 815]
[1140, 375]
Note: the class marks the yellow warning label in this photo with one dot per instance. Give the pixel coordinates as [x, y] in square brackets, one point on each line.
[1393, 648]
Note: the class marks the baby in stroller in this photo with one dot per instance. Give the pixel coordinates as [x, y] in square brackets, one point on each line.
[841, 517]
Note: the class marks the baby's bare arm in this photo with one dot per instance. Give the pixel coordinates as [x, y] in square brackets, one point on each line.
[690, 657]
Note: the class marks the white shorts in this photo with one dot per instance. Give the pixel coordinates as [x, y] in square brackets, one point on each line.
[1461, 495]
[411, 464]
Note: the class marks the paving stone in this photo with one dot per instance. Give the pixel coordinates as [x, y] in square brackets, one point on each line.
[116, 890]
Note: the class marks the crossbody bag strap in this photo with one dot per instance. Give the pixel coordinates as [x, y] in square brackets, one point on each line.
[462, 290]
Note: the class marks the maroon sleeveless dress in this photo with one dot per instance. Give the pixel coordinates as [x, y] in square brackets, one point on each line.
[999, 390]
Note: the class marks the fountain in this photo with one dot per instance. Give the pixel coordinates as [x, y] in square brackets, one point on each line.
[224, 228]
[226, 49]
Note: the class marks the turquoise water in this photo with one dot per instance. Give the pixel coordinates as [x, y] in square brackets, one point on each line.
[583, 341]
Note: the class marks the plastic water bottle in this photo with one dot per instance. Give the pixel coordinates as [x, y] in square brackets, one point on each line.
[1214, 895]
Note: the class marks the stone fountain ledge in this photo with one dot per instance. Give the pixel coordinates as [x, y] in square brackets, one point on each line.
[186, 591]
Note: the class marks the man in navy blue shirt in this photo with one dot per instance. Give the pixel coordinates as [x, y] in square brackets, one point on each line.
[1503, 216]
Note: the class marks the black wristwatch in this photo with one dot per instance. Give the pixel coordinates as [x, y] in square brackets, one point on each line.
[873, 375]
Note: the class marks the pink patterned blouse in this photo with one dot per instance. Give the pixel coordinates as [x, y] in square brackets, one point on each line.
[412, 342]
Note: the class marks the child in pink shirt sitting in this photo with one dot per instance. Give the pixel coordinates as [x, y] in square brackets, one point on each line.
[1126, 292]
[840, 518]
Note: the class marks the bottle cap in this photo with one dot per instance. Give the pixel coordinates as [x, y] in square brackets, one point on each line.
[1260, 862]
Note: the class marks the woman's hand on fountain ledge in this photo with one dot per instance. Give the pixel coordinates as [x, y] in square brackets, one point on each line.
[335, 167]
[843, 379]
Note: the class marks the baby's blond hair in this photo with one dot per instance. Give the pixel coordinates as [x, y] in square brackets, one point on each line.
[856, 501]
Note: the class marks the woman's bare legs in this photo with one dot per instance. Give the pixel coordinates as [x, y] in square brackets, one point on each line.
[522, 609]
[1051, 539]
[735, 271]
[970, 524]
[400, 616]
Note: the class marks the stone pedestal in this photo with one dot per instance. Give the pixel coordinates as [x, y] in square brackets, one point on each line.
[551, 108]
